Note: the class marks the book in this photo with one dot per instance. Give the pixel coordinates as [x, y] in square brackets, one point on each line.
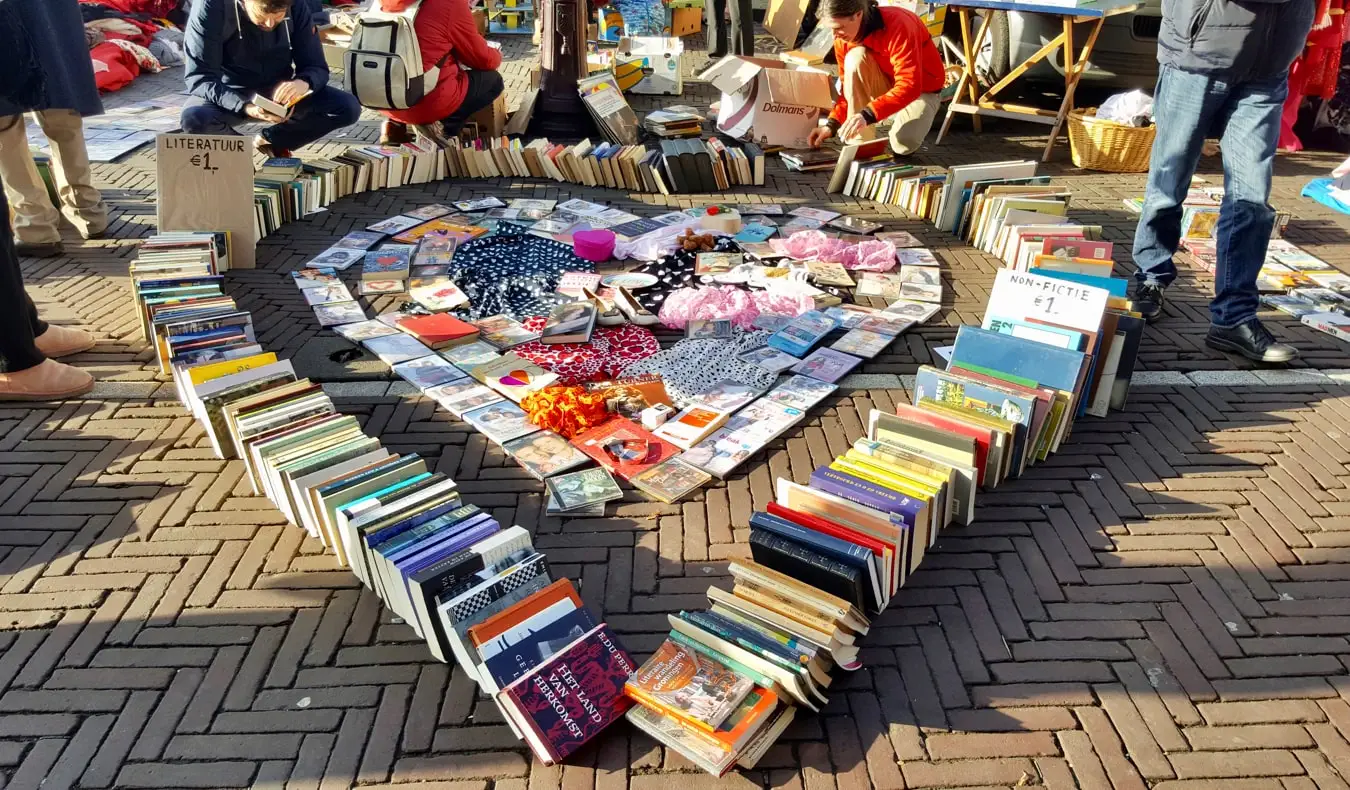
[503, 332]
[698, 329]
[727, 395]
[802, 333]
[428, 372]
[336, 313]
[691, 425]
[570, 323]
[861, 343]
[470, 355]
[671, 480]
[688, 685]
[623, 447]
[544, 454]
[386, 264]
[801, 392]
[771, 359]
[569, 699]
[393, 349]
[581, 489]
[439, 331]
[500, 422]
[513, 376]
[437, 294]
[827, 364]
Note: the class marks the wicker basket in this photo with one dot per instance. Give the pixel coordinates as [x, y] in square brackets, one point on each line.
[1108, 146]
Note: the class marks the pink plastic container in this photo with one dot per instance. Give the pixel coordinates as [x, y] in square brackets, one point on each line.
[596, 246]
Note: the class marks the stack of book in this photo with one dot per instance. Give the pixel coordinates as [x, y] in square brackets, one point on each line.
[1200, 213]
[710, 166]
[476, 592]
[674, 122]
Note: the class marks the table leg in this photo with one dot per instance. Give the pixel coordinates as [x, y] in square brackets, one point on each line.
[1073, 72]
[967, 72]
[972, 54]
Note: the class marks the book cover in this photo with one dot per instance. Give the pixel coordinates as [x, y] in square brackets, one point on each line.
[544, 454]
[691, 425]
[513, 376]
[863, 343]
[826, 364]
[500, 422]
[394, 225]
[471, 355]
[671, 480]
[585, 488]
[802, 333]
[771, 359]
[393, 349]
[867, 494]
[697, 329]
[1048, 366]
[574, 695]
[624, 447]
[689, 685]
[427, 372]
[528, 652]
[386, 264]
[462, 396]
[338, 313]
[569, 323]
[727, 395]
[811, 567]
[440, 330]
[801, 392]
[503, 332]
[437, 294]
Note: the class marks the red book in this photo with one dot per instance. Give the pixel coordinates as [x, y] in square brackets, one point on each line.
[440, 330]
[623, 447]
[983, 436]
[569, 699]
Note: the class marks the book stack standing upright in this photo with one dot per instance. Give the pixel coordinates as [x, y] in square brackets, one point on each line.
[477, 593]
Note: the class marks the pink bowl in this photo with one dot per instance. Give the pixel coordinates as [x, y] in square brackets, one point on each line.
[596, 246]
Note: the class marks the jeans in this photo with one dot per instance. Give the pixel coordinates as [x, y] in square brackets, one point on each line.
[19, 322]
[739, 38]
[484, 88]
[318, 114]
[1246, 115]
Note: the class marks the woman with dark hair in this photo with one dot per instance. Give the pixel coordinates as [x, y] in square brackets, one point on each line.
[889, 68]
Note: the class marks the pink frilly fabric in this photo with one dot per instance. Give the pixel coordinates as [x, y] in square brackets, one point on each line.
[718, 302]
[813, 245]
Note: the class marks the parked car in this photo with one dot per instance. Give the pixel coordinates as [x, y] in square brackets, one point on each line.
[1125, 56]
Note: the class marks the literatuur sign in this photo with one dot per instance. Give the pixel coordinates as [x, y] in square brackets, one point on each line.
[205, 182]
[1039, 298]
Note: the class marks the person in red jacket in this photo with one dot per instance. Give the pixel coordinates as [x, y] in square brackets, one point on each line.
[889, 69]
[468, 81]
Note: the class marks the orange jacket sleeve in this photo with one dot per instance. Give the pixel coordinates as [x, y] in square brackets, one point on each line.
[904, 53]
[840, 112]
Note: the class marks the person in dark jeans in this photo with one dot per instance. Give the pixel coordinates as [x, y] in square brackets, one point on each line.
[468, 79]
[238, 48]
[28, 344]
[738, 38]
[1224, 72]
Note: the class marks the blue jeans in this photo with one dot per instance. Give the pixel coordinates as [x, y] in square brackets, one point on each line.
[1246, 116]
[318, 114]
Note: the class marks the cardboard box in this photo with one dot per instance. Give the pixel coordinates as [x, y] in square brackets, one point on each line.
[686, 21]
[491, 120]
[768, 101]
[480, 20]
[658, 59]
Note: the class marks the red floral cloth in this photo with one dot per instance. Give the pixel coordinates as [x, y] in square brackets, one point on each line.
[612, 348]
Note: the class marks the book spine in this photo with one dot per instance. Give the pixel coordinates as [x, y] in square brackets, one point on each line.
[746, 638]
[840, 549]
[806, 566]
[867, 494]
[800, 554]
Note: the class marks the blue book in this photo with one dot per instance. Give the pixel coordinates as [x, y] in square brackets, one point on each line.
[420, 518]
[984, 349]
[432, 533]
[802, 333]
[829, 545]
[536, 648]
[899, 509]
[433, 555]
[748, 638]
[1112, 285]
[388, 545]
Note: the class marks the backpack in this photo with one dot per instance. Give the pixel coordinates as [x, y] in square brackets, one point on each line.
[384, 62]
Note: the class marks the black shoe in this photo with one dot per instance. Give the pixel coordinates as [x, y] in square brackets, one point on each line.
[1253, 341]
[717, 54]
[1148, 301]
[47, 250]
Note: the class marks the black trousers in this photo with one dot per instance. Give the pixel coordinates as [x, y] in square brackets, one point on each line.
[19, 322]
[739, 38]
[484, 88]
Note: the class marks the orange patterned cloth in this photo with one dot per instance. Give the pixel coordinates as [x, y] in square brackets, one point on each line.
[567, 411]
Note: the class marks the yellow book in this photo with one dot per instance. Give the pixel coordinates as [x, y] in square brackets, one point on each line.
[926, 475]
[929, 518]
[1006, 430]
[215, 370]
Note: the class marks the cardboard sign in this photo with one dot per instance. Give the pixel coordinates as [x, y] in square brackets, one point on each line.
[1023, 295]
[205, 182]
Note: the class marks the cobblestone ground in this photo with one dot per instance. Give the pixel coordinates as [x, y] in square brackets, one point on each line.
[1163, 604]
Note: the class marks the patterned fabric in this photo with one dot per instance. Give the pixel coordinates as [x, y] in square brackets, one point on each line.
[513, 272]
[692, 366]
[611, 349]
[673, 272]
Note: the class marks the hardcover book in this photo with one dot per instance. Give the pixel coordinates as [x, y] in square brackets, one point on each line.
[439, 331]
[572, 697]
[569, 323]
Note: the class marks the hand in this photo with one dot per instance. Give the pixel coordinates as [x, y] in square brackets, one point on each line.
[1341, 169]
[852, 127]
[819, 135]
[290, 91]
[259, 114]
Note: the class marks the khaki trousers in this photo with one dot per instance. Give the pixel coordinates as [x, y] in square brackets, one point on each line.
[863, 80]
[36, 220]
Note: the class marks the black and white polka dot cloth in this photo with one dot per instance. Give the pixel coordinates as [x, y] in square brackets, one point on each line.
[513, 272]
[676, 271]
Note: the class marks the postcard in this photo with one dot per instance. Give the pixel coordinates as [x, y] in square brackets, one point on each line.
[463, 395]
[922, 275]
[377, 287]
[710, 263]
[917, 257]
[855, 225]
[393, 349]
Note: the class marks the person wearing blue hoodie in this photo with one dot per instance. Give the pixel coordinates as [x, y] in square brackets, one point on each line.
[239, 48]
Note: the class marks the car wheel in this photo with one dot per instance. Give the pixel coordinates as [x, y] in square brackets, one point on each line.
[992, 60]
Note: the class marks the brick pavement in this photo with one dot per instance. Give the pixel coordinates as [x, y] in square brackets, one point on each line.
[1163, 604]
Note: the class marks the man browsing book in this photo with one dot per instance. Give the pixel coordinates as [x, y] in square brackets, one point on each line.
[239, 49]
[889, 69]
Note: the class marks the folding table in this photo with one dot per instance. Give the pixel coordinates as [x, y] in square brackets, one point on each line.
[969, 101]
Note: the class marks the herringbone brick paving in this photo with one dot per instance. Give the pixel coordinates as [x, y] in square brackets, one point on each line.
[1164, 603]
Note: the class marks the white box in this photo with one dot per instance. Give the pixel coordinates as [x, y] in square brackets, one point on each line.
[769, 102]
[660, 59]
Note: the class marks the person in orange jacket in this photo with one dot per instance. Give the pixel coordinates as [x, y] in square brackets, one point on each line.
[469, 80]
[889, 68]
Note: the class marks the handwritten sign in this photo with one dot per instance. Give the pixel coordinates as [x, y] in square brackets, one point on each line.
[205, 182]
[1023, 295]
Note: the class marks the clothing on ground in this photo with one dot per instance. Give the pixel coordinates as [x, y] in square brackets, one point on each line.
[514, 273]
